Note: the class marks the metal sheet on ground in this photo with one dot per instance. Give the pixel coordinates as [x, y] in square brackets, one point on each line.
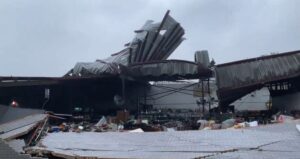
[179, 144]
[20, 127]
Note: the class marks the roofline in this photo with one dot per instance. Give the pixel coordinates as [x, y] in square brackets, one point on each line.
[163, 61]
[259, 58]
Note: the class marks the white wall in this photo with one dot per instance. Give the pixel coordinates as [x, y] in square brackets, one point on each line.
[183, 99]
[255, 100]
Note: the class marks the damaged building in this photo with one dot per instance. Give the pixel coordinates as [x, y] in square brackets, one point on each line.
[117, 82]
[166, 98]
[121, 81]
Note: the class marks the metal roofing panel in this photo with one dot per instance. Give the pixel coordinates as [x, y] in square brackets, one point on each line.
[22, 122]
[12, 113]
[176, 144]
[258, 71]
[154, 41]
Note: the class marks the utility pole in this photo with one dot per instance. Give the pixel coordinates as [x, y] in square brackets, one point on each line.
[202, 90]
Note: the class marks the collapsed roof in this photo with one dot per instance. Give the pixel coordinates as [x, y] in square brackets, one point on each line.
[154, 42]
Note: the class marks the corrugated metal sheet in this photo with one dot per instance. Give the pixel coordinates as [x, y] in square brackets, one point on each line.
[153, 42]
[239, 78]
[176, 144]
[259, 70]
[18, 127]
[8, 113]
[156, 41]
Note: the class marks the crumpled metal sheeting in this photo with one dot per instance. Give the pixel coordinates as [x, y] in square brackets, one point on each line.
[258, 71]
[121, 57]
[154, 41]
[8, 113]
[30, 119]
[154, 44]
[107, 66]
[20, 126]
[89, 69]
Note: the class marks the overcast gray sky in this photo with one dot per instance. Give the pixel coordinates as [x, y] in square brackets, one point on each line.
[47, 37]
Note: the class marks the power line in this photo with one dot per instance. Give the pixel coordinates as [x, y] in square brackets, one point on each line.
[172, 91]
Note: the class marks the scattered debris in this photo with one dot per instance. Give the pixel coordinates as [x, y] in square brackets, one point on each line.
[228, 123]
[101, 122]
[284, 118]
[253, 124]
[202, 123]
[58, 135]
[136, 130]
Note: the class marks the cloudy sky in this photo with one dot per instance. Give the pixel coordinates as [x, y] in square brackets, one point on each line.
[47, 38]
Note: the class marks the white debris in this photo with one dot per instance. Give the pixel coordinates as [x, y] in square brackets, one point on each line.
[101, 122]
[139, 130]
[202, 123]
[253, 124]
[171, 129]
[80, 127]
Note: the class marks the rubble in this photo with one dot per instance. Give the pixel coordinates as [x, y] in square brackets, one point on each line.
[136, 130]
[111, 128]
[101, 122]
[253, 124]
[228, 123]
[203, 124]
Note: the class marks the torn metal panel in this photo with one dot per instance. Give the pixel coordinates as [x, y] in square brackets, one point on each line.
[107, 66]
[17, 132]
[8, 113]
[150, 37]
[20, 127]
[165, 32]
[254, 73]
[153, 42]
